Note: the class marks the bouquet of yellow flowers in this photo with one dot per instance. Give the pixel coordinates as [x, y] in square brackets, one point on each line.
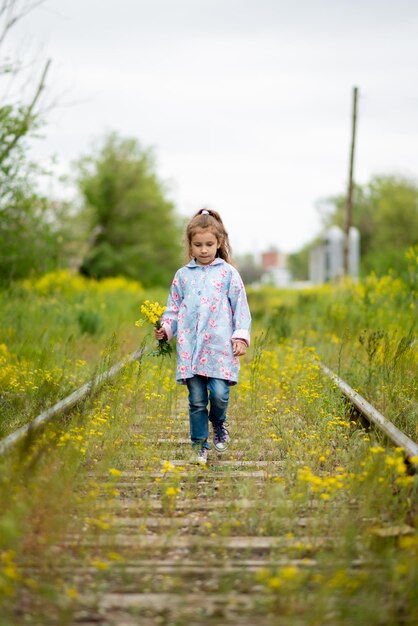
[152, 312]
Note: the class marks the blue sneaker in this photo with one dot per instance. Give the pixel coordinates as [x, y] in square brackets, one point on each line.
[221, 438]
[202, 457]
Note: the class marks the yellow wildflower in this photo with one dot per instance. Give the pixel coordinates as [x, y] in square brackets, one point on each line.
[152, 312]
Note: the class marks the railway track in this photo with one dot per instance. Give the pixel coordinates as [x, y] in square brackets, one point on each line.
[163, 541]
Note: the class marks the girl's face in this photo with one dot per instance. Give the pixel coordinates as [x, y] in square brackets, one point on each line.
[204, 246]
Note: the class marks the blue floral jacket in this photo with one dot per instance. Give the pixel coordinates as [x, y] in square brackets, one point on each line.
[206, 309]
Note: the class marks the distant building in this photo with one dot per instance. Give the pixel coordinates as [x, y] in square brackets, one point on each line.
[326, 259]
[274, 267]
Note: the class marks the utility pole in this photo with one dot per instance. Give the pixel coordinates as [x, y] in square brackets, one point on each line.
[349, 201]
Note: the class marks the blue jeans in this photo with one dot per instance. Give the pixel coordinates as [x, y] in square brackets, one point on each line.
[199, 414]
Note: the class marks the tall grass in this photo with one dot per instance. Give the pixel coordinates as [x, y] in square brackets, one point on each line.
[55, 333]
[366, 332]
[341, 505]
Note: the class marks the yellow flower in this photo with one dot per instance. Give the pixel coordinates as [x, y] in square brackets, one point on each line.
[274, 582]
[114, 556]
[168, 467]
[99, 564]
[289, 572]
[152, 312]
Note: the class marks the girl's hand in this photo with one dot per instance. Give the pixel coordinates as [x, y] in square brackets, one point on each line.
[159, 333]
[239, 348]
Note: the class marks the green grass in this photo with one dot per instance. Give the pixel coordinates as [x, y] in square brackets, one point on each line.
[364, 332]
[337, 500]
[339, 505]
[56, 334]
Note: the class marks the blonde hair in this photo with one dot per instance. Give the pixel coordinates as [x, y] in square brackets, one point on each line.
[208, 219]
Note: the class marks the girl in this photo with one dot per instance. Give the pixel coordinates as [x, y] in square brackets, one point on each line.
[208, 312]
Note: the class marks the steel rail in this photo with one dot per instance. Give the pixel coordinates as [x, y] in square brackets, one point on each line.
[373, 415]
[67, 403]
[365, 408]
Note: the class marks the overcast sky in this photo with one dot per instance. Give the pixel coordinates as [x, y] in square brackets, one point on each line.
[247, 103]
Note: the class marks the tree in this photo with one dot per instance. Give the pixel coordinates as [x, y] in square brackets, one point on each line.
[17, 119]
[394, 202]
[298, 263]
[250, 270]
[385, 211]
[134, 229]
[28, 235]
